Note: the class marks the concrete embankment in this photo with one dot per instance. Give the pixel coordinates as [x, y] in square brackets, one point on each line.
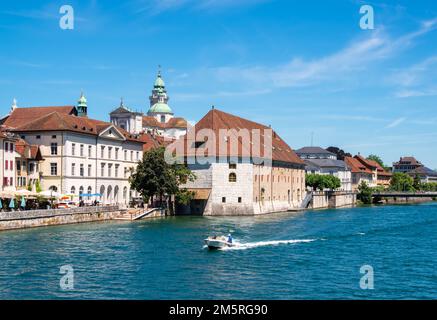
[39, 218]
[329, 199]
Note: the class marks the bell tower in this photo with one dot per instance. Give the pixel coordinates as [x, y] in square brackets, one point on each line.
[82, 109]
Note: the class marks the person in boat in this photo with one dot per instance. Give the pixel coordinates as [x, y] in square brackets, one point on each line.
[229, 238]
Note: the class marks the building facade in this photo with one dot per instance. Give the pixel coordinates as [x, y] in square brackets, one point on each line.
[360, 173]
[81, 155]
[7, 159]
[235, 182]
[320, 161]
[27, 163]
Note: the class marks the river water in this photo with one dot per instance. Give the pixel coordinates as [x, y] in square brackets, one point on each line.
[310, 255]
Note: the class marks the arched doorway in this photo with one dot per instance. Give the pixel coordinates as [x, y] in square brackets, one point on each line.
[102, 194]
[116, 194]
[109, 194]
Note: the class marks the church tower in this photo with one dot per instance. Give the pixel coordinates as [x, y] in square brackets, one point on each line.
[82, 108]
[159, 109]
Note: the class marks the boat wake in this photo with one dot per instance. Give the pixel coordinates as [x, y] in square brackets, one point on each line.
[250, 245]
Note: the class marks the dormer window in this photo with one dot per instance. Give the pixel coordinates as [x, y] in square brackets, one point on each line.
[163, 119]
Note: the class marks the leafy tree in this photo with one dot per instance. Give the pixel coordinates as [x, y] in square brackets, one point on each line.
[339, 152]
[401, 182]
[377, 159]
[364, 193]
[417, 183]
[154, 177]
[322, 182]
[38, 186]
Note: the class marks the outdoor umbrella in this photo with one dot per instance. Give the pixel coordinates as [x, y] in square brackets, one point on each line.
[23, 202]
[12, 203]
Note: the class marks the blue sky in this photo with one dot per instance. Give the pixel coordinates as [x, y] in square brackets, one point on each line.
[301, 66]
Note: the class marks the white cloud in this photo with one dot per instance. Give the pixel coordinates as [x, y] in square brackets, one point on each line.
[353, 58]
[395, 123]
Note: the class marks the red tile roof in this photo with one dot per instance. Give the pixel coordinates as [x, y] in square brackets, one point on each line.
[55, 121]
[217, 120]
[176, 122]
[151, 141]
[356, 166]
[373, 165]
[27, 151]
[21, 116]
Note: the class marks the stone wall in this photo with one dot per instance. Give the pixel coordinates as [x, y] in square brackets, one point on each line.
[322, 200]
[38, 218]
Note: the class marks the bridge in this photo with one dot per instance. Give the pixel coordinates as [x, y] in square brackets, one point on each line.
[404, 194]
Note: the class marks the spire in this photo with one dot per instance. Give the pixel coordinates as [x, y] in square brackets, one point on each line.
[82, 108]
[121, 102]
[14, 105]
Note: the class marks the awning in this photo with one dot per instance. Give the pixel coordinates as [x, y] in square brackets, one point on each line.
[200, 194]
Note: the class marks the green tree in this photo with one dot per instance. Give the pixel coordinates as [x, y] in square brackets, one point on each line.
[401, 182]
[364, 193]
[377, 159]
[155, 178]
[322, 181]
[417, 183]
[38, 186]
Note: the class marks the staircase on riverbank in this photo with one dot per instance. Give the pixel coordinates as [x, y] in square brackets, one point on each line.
[141, 213]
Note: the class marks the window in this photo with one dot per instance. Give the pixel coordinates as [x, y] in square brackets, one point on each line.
[131, 156]
[6, 165]
[73, 167]
[81, 150]
[232, 177]
[239, 199]
[102, 169]
[109, 170]
[54, 136]
[6, 146]
[54, 148]
[116, 153]
[109, 152]
[125, 155]
[80, 192]
[81, 170]
[31, 167]
[38, 137]
[162, 118]
[138, 156]
[54, 169]
[73, 149]
[90, 190]
[89, 170]
[223, 199]
[11, 180]
[5, 181]
[125, 172]
[18, 166]
[102, 152]
[73, 190]
[232, 166]
[116, 170]
[11, 164]
[11, 147]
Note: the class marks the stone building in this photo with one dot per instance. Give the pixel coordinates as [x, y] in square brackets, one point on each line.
[81, 155]
[237, 179]
[160, 119]
[379, 174]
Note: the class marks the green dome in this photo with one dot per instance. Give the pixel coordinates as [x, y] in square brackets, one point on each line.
[160, 108]
[159, 82]
[82, 101]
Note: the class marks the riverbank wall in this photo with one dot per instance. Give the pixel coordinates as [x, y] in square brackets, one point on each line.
[329, 199]
[38, 218]
[405, 200]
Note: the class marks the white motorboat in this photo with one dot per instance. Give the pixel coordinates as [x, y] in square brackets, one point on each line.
[218, 242]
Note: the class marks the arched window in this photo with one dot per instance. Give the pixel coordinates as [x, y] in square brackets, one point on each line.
[109, 194]
[53, 188]
[80, 192]
[102, 193]
[116, 194]
[89, 191]
[73, 190]
[232, 177]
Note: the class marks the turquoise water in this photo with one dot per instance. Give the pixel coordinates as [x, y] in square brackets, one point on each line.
[311, 255]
